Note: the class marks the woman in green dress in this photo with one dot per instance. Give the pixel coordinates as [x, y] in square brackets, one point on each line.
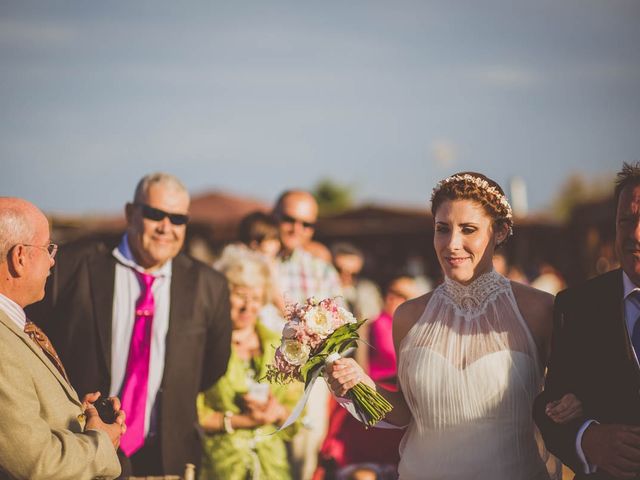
[240, 412]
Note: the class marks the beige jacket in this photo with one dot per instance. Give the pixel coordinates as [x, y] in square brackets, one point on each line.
[41, 431]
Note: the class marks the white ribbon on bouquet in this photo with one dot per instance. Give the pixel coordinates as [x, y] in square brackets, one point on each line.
[345, 403]
[297, 411]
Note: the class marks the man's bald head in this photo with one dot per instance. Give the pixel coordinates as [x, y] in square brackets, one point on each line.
[295, 197]
[24, 245]
[18, 219]
[297, 212]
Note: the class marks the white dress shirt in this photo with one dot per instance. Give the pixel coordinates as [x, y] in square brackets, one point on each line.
[126, 293]
[13, 311]
[631, 315]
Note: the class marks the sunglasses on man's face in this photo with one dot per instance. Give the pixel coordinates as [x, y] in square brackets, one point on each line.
[284, 218]
[158, 215]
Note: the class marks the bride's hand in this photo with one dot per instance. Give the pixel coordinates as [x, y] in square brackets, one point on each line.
[568, 408]
[345, 373]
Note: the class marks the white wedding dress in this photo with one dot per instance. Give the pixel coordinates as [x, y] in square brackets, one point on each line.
[469, 372]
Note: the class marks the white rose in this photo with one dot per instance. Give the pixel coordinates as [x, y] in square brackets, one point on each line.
[295, 352]
[319, 321]
[346, 315]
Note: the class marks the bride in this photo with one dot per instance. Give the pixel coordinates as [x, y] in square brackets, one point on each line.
[471, 353]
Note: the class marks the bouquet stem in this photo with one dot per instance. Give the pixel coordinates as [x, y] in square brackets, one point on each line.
[371, 406]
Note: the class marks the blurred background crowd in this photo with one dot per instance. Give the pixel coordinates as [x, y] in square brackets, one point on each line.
[569, 242]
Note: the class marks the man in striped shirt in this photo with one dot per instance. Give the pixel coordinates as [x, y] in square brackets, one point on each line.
[301, 275]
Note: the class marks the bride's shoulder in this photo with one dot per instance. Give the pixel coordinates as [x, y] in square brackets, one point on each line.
[532, 299]
[536, 308]
[407, 315]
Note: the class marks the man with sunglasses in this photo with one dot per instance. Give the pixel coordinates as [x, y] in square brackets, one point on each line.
[301, 275]
[45, 430]
[144, 321]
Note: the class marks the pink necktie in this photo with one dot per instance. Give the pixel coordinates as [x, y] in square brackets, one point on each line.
[134, 389]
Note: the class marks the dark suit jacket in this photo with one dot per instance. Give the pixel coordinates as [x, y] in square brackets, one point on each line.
[592, 357]
[77, 315]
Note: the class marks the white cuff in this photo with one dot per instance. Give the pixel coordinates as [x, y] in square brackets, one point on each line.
[586, 466]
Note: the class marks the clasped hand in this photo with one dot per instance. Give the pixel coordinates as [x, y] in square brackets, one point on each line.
[614, 449]
[94, 422]
[264, 413]
[344, 374]
[568, 408]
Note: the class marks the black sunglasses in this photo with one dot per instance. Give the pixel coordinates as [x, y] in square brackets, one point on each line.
[158, 215]
[289, 219]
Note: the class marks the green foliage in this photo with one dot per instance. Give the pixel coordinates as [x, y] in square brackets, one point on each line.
[576, 190]
[340, 340]
[332, 197]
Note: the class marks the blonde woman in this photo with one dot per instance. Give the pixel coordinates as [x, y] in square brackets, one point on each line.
[239, 412]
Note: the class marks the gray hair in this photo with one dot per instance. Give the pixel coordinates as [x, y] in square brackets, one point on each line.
[244, 267]
[14, 225]
[147, 181]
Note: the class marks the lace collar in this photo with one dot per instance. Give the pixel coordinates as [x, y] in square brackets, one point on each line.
[474, 297]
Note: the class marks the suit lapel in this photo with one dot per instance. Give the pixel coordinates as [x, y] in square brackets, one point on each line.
[102, 277]
[612, 306]
[37, 351]
[183, 288]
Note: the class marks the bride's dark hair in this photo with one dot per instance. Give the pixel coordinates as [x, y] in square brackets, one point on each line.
[479, 188]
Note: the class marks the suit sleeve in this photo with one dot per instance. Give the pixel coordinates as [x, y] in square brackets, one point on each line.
[560, 439]
[31, 449]
[218, 342]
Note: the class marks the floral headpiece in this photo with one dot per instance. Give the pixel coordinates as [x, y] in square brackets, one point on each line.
[485, 186]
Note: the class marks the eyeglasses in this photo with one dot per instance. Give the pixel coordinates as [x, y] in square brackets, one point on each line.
[284, 218]
[51, 249]
[158, 215]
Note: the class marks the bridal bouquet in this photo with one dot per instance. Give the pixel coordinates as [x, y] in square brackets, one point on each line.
[315, 334]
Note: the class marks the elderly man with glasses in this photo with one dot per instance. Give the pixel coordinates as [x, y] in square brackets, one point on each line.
[45, 430]
[146, 322]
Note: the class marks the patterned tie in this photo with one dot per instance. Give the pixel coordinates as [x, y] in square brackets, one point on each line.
[38, 336]
[134, 389]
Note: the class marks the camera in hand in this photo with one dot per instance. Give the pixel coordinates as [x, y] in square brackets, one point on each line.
[104, 406]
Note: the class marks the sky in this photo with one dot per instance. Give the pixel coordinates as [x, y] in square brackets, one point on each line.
[253, 97]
